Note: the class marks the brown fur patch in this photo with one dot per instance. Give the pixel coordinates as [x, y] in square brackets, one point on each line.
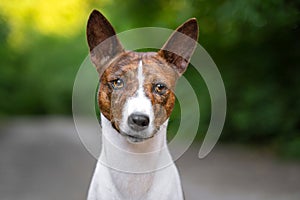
[156, 70]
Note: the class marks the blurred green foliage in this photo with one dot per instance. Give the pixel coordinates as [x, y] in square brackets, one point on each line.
[254, 43]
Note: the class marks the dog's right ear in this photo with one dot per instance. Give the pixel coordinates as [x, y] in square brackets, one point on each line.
[102, 40]
[179, 48]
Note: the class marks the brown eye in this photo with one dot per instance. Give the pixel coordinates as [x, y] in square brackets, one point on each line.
[160, 88]
[117, 84]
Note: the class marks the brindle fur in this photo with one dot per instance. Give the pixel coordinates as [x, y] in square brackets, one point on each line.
[155, 70]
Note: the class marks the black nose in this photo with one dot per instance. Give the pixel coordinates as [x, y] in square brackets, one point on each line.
[138, 121]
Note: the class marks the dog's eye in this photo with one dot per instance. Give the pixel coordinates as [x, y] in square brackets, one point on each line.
[160, 88]
[117, 84]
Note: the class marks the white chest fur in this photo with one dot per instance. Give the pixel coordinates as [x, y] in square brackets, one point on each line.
[127, 171]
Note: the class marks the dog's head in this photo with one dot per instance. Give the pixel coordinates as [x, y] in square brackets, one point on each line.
[136, 91]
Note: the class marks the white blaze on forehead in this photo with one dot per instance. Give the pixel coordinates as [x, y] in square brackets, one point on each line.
[138, 103]
[140, 76]
[140, 92]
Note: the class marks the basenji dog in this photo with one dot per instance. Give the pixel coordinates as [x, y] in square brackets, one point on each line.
[136, 98]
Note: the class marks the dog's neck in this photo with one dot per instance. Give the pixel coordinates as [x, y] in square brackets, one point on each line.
[134, 168]
[122, 155]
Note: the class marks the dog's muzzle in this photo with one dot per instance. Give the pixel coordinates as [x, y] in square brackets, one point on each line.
[138, 121]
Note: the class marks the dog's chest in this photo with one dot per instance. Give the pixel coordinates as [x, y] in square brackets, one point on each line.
[133, 186]
[163, 184]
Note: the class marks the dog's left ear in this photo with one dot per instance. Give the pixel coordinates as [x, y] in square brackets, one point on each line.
[179, 48]
[102, 40]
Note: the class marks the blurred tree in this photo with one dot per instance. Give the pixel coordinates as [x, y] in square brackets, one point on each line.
[254, 43]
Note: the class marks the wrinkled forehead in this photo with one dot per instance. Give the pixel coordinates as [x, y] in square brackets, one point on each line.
[154, 68]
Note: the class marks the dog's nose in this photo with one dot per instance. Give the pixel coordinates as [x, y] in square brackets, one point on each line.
[138, 121]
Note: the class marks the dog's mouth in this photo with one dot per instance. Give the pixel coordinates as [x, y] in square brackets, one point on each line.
[136, 138]
[133, 138]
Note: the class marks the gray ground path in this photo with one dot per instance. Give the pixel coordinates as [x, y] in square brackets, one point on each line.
[43, 159]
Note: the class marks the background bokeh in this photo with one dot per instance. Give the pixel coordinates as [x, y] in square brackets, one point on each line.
[254, 43]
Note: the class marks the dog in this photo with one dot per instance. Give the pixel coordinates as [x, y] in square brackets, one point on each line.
[136, 98]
